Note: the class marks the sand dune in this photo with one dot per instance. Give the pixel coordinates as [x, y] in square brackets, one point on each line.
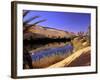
[44, 32]
[81, 56]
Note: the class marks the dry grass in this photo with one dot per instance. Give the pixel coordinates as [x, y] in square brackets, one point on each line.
[80, 43]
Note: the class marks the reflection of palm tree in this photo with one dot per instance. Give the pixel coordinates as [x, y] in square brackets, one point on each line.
[25, 23]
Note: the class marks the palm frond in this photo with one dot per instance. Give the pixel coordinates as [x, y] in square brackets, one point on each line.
[39, 22]
[25, 13]
[32, 18]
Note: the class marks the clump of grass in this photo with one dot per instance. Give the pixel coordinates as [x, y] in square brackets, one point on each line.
[77, 44]
[80, 42]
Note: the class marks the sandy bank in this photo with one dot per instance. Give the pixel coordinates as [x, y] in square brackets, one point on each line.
[79, 58]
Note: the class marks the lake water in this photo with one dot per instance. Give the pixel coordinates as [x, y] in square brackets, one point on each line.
[44, 55]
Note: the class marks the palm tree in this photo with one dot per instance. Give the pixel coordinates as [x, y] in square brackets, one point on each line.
[25, 23]
[26, 56]
[32, 18]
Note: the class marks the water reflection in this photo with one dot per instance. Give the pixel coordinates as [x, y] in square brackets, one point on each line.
[44, 55]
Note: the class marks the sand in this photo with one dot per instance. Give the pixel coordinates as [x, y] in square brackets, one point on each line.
[79, 58]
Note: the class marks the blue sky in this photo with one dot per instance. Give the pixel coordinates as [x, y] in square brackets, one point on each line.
[67, 21]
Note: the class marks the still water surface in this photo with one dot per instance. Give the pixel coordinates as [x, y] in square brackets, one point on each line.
[39, 52]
